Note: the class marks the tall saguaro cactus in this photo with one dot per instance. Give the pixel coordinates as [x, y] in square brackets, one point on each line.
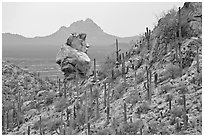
[86, 111]
[104, 95]
[180, 37]
[3, 119]
[89, 129]
[28, 130]
[155, 79]
[65, 89]
[123, 57]
[197, 58]
[59, 84]
[124, 72]
[7, 119]
[91, 96]
[40, 124]
[125, 112]
[97, 103]
[117, 52]
[147, 36]
[184, 114]
[148, 72]
[108, 105]
[135, 81]
[94, 70]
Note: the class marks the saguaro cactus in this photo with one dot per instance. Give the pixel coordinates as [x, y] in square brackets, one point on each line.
[91, 96]
[40, 124]
[89, 129]
[19, 109]
[108, 104]
[77, 91]
[112, 74]
[184, 114]
[7, 118]
[59, 84]
[169, 99]
[74, 112]
[197, 49]
[148, 86]
[117, 52]
[123, 57]
[124, 72]
[65, 89]
[135, 81]
[3, 119]
[180, 37]
[97, 103]
[68, 112]
[120, 58]
[147, 36]
[28, 130]
[125, 112]
[105, 95]
[86, 109]
[94, 70]
[155, 79]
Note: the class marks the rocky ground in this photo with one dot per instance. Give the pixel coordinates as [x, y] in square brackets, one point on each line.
[39, 106]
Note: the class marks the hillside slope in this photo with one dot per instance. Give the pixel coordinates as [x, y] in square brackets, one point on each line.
[173, 105]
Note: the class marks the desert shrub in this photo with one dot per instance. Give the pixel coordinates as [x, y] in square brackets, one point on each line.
[36, 125]
[119, 90]
[166, 88]
[50, 98]
[133, 98]
[53, 124]
[196, 79]
[177, 111]
[130, 128]
[61, 104]
[174, 71]
[153, 127]
[144, 107]
[140, 77]
[106, 67]
[105, 131]
[7, 105]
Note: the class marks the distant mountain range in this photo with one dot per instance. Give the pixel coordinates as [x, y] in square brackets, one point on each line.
[102, 44]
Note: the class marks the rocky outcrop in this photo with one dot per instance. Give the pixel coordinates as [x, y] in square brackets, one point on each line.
[72, 57]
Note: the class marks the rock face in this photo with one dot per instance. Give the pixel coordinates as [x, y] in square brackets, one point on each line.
[72, 56]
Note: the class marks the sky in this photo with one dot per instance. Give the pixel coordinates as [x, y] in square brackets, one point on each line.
[117, 18]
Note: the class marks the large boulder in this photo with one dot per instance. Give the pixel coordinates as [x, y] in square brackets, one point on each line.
[72, 58]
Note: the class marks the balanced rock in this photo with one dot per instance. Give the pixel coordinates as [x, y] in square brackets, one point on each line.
[73, 57]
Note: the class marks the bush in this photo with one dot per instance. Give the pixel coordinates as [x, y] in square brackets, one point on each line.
[130, 128]
[177, 111]
[119, 90]
[133, 98]
[144, 107]
[53, 124]
[50, 97]
[61, 104]
[140, 77]
[107, 66]
[36, 125]
[105, 131]
[166, 88]
[174, 71]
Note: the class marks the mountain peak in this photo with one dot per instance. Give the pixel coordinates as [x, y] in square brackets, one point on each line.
[87, 25]
[88, 20]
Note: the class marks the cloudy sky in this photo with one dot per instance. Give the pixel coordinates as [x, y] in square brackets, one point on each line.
[44, 18]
